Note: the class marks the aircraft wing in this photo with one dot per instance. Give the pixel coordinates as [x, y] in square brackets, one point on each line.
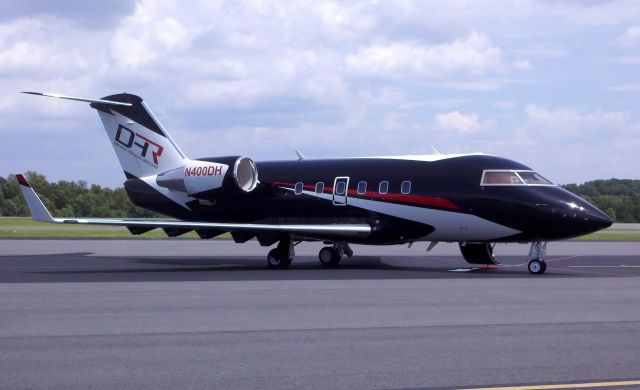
[40, 213]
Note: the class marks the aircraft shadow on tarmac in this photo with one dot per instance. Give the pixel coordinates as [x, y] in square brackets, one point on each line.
[80, 267]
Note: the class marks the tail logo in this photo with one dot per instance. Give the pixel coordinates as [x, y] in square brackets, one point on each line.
[127, 139]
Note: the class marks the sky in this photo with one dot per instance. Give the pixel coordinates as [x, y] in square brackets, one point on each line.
[552, 84]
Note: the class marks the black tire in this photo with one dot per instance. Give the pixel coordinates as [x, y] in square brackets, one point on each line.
[275, 259]
[328, 256]
[537, 267]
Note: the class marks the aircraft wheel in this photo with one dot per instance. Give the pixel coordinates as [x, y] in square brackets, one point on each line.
[275, 259]
[537, 267]
[328, 256]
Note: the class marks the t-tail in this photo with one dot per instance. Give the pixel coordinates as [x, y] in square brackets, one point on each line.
[154, 164]
[142, 145]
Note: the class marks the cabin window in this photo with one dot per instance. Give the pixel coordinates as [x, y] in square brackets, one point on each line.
[531, 177]
[340, 187]
[405, 188]
[298, 188]
[362, 187]
[383, 188]
[319, 187]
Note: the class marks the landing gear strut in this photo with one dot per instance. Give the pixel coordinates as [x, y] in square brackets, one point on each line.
[538, 250]
[282, 255]
[331, 255]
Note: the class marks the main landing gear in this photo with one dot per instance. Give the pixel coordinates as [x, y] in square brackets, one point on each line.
[538, 250]
[331, 255]
[282, 255]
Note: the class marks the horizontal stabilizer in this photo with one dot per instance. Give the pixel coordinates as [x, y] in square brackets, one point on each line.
[78, 99]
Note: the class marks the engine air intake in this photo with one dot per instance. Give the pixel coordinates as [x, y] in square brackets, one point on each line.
[245, 174]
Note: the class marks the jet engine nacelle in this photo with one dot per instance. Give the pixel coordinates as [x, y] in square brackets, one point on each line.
[206, 178]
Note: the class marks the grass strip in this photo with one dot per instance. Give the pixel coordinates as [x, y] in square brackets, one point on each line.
[23, 233]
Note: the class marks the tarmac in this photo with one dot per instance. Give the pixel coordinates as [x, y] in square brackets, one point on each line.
[159, 314]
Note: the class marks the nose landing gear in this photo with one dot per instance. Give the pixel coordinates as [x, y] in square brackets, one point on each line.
[537, 265]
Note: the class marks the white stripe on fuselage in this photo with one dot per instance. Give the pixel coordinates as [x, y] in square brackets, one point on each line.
[421, 157]
[449, 226]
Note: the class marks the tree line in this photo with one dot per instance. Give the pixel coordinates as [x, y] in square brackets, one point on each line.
[69, 199]
[619, 198]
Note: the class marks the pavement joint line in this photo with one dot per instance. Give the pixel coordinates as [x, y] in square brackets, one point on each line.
[607, 274]
[547, 260]
[302, 330]
[109, 267]
[604, 266]
[584, 385]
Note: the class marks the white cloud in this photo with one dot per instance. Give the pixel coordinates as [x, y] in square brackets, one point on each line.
[41, 49]
[478, 84]
[146, 35]
[624, 88]
[474, 55]
[573, 124]
[338, 78]
[629, 60]
[630, 37]
[541, 51]
[522, 65]
[454, 120]
[504, 104]
[577, 145]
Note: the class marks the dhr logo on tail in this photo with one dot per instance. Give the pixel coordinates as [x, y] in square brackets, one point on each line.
[127, 138]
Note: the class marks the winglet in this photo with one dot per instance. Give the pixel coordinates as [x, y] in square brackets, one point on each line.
[300, 155]
[38, 211]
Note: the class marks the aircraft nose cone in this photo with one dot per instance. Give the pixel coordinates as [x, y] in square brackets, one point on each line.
[598, 219]
[591, 219]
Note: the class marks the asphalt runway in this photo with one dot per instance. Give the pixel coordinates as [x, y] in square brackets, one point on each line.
[209, 314]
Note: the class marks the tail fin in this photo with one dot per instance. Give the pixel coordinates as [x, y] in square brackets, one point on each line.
[142, 145]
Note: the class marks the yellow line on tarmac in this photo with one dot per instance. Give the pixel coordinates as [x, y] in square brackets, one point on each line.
[562, 386]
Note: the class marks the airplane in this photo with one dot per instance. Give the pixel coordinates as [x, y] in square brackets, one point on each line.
[475, 200]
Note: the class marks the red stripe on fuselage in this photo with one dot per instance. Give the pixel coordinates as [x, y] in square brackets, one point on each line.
[433, 201]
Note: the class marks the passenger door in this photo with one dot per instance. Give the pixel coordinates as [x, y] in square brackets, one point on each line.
[340, 190]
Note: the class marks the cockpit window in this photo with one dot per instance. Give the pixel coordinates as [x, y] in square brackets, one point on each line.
[500, 177]
[531, 177]
[508, 177]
